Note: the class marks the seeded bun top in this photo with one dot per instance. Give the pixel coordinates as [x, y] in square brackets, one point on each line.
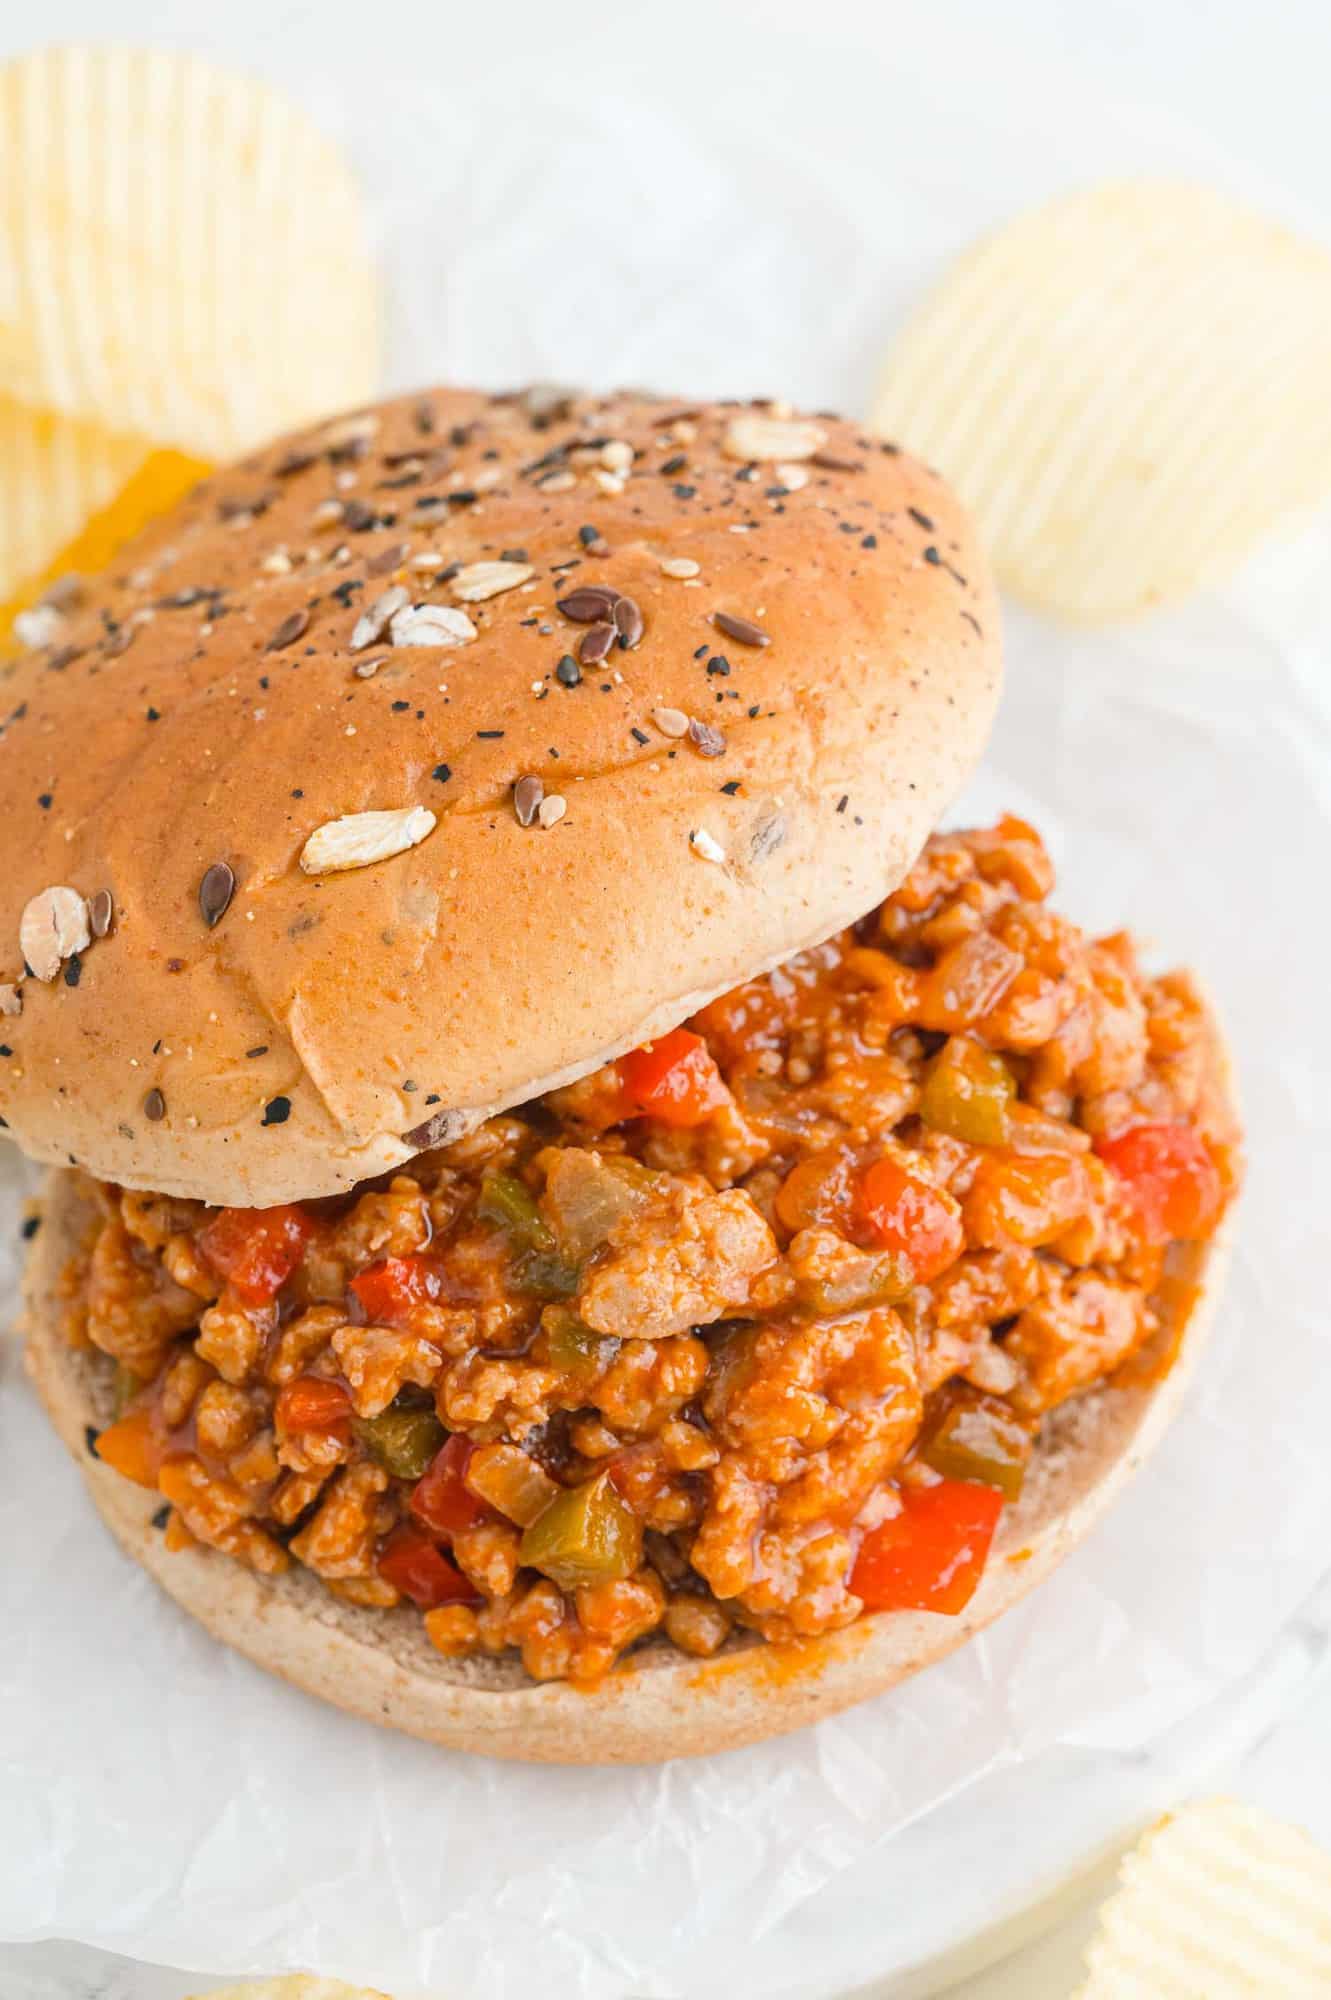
[639, 699]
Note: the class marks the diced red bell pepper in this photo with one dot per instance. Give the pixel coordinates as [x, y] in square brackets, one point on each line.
[131, 1449]
[390, 1290]
[256, 1249]
[905, 1213]
[931, 1555]
[312, 1403]
[410, 1561]
[673, 1079]
[441, 1499]
[1173, 1182]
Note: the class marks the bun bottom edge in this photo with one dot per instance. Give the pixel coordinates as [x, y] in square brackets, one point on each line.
[662, 1704]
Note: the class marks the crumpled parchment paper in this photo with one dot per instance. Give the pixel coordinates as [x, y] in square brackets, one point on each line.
[162, 1798]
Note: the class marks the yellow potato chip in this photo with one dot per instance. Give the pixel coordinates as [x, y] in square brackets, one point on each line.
[1130, 386]
[1219, 1900]
[54, 478]
[298, 1986]
[182, 255]
[54, 472]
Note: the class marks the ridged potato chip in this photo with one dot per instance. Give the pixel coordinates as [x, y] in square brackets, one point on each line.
[1219, 1900]
[54, 472]
[182, 254]
[70, 496]
[1130, 386]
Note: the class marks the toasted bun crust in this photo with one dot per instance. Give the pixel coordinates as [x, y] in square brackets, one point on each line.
[380, 1665]
[301, 1043]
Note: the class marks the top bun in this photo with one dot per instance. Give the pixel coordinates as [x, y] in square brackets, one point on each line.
[811, 666]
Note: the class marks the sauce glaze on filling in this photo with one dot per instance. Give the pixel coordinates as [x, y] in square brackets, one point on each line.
[755, 1327]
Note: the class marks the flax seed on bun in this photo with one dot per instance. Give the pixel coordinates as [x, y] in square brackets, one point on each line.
[367, 761]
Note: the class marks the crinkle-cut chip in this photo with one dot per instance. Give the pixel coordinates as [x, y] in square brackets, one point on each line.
[296, 1986]
[182, 254]
[1131, 387]
[54, 473]
[71, 496]
[1219, 1900]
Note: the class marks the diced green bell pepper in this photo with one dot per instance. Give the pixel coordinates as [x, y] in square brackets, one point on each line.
[967, 1093]
[572, 1345]
[403, 1440]
[507, 1201]
[588, 1534]
[978, 1437]
[542, 1274]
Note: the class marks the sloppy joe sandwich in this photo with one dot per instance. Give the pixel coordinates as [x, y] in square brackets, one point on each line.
[579, 1226]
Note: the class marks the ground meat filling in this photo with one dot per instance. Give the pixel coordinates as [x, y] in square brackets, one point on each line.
[733, 1332]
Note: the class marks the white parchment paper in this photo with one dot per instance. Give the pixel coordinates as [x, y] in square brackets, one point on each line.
[762, 227]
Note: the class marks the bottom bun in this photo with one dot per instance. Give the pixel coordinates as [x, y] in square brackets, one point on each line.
[661, 1703]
